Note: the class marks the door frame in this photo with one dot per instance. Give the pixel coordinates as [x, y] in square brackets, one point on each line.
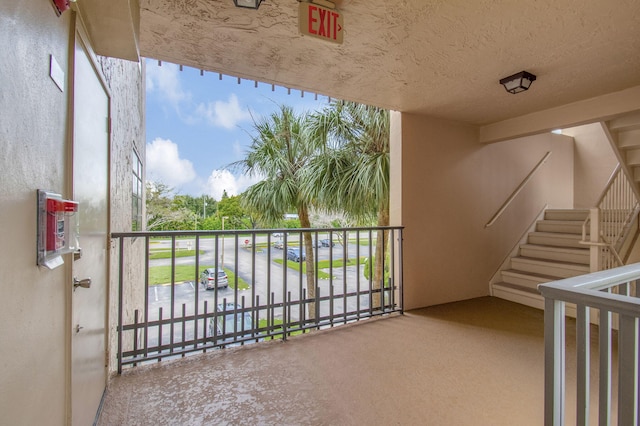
[79, 37]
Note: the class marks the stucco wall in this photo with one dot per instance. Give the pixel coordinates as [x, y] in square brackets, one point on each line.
[126, 82]
[33, 137]
[452, 186]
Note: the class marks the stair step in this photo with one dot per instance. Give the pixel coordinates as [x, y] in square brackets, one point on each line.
[564, 214]
[525, 279]
[556, 239]
[561, 226]
[560, 254]
[633, 156]
[518, 294]
[549, 267]
[629, 139]
[627, 121]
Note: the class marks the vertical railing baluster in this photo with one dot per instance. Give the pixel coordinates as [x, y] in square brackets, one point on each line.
[401, 274]
[147, 254]
[287, 317]
[554, 362]
[628, 370]
[160, 333]
[173, 291]
[331, 292]
[371, 271]
[120, 302]
[135, 336]
[358, 274]
[205, 319]
[604, 381]
[184, 334]
[583, 350]
[345, 261]
[317, 304]
[254, 318]
[196, 285]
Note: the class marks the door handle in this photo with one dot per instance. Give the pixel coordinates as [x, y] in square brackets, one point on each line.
[85, 283]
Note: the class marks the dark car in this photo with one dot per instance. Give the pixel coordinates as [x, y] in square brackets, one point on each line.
[295, 254]
[232, 325]
[208, 278]
[327, 243]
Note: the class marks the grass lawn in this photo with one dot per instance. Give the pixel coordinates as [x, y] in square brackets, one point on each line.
[166, 254]
[262, 323]
[322, 264]
[162, 275]
[296, 266]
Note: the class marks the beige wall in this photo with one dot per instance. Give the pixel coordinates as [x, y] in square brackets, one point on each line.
[595, 160]
[451, 187]
[35, 136]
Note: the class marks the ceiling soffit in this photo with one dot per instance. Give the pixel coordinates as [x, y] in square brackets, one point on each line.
[442, 58]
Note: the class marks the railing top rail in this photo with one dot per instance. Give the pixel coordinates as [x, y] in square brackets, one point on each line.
[247, 231]
[587, 289]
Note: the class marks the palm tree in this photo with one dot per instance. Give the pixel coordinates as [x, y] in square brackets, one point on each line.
[279, 152]
[351, 173]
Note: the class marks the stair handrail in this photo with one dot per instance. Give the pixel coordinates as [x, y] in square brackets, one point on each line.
[617, 199]
[517, 190]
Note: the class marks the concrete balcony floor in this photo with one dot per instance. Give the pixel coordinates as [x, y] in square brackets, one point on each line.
[476, 362]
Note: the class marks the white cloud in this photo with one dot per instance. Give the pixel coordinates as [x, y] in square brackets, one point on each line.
[223, 180]
[165, 81]
[224, 114]
[165, 165]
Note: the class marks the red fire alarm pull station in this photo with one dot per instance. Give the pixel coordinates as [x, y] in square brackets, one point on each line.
[60, 6]
[57, 228]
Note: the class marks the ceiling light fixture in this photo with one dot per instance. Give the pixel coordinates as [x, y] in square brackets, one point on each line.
[249, 4]
[518, 82]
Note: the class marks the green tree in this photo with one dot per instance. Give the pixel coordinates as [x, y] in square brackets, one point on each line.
[351, 173]
[162, 213]
[232, 208]
[279, 152]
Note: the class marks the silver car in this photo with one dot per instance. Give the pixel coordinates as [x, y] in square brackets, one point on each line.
[209, 276]
[234, 324]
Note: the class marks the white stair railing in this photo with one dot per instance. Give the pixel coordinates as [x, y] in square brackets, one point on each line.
[610, 221]
[614, 297]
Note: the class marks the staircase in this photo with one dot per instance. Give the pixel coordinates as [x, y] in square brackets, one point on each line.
[624, 136]
[552, 252]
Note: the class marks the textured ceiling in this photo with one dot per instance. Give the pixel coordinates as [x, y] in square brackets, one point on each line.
[438, 57]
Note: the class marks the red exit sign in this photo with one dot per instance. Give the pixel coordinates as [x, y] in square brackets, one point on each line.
[321, 22]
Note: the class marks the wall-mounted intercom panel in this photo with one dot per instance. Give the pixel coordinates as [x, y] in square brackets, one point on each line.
[57, 228]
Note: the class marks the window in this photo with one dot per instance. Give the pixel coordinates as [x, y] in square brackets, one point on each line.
[137, 194]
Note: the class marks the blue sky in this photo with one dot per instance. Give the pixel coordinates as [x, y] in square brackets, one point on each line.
[198, 124]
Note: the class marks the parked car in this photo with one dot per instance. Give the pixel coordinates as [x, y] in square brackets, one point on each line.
[231, 326]
[208, 278]
[327, 243]
[295, 254]
[278, 245]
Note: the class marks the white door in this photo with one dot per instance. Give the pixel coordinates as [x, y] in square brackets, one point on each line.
[91, 190]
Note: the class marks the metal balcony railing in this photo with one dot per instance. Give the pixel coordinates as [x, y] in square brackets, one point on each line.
[610, 298]
[183, 292]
